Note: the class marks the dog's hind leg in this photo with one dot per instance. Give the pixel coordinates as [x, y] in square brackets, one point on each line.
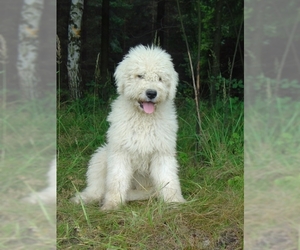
[96, 178]
[47, 195]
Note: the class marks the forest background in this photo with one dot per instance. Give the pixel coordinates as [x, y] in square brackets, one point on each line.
[213, 29]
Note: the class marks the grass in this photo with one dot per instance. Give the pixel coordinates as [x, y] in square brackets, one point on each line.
[272, 145]
[211, 180]
[28, 142]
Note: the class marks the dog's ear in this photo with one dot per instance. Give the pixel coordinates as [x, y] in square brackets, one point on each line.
[168, 70]
[173, 83]
[119, 77]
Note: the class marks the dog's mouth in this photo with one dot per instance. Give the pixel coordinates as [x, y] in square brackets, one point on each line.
[148, 107]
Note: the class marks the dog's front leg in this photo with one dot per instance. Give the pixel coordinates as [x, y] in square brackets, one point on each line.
[165, 177]
[118, 180]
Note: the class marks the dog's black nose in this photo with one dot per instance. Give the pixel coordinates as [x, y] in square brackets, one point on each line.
[151, 93]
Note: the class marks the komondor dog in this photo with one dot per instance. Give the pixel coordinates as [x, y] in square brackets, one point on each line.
[139, 159]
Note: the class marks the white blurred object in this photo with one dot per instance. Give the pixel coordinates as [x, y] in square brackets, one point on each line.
[47, 195]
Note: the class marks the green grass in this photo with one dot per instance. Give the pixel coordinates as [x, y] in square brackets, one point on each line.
[28, 143]
[272, 146]
[211, 180]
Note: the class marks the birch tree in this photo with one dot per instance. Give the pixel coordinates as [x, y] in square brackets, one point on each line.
[28, 47]
[74, 46]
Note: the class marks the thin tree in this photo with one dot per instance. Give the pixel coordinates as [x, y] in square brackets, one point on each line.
[160, 21]
[104, 50]
[197, 89]
[74, 47]
[254, 47]
[3, 61]
[28, 47]
[216, 49]
[196, 85]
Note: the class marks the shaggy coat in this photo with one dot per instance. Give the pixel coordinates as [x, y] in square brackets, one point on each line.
[139, 159]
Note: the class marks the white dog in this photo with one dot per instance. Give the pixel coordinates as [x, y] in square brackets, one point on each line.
[139, 158]
[47, 195]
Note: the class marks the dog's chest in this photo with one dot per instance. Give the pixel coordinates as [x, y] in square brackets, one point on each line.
[142, 136]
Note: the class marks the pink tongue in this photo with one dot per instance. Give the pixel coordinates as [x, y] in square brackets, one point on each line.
[148, 107]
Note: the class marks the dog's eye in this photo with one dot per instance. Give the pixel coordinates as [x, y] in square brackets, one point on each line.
[140, 76]
[160, 79]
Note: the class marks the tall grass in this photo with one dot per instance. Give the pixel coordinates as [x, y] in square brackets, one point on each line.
[212, 182]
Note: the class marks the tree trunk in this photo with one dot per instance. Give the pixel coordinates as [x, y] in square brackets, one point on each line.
[216, 49]
[28, 47]
[160, 22]
[74, 46]
[104, 51]
[254, 46]
[197, 92]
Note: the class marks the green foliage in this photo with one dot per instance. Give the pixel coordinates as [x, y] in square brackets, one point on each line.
[261, 83]
[236, 182]
[224, 87]
[142, 29]
[274, 25]
[223, 130]
[220, 140]
[232, 17]
[122, 11]
[271, 89]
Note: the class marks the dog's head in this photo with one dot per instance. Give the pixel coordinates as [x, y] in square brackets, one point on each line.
[147, 76]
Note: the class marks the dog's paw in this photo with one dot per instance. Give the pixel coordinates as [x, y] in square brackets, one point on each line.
[40, 197]
[110, 205]
[177, 199]
[30, 199]
[76, 199]
[85, 198]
